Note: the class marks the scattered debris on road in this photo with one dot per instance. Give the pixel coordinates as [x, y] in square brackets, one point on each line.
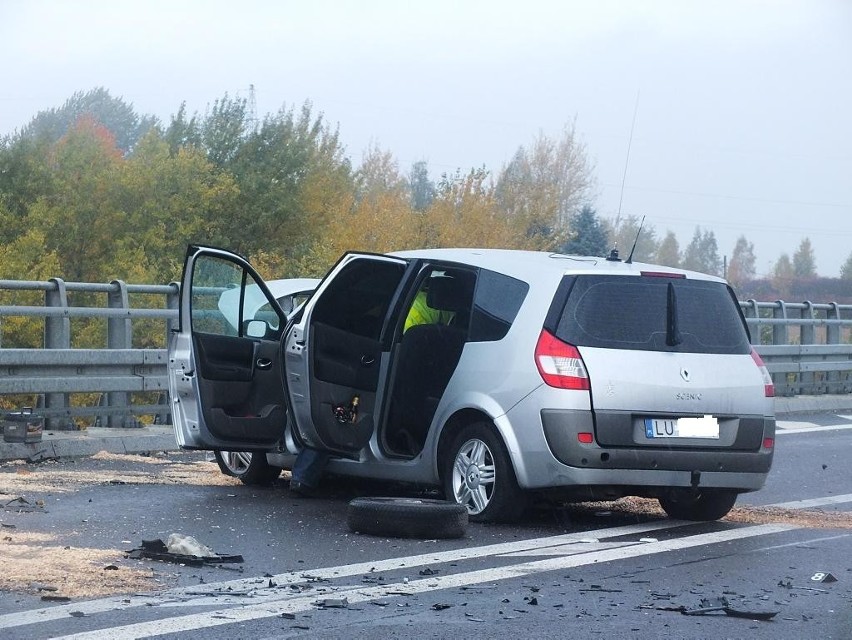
[158, 550]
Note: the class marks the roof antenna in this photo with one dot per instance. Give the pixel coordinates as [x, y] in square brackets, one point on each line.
[626, 161]
[630, 257]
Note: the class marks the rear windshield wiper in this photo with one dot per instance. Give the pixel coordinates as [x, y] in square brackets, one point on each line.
[673, 337]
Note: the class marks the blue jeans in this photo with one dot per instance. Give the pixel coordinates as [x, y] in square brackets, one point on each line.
[309, 466]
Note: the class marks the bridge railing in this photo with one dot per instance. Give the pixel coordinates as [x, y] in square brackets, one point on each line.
[807, 348]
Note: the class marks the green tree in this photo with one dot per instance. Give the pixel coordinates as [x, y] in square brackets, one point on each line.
[668, 252]
[116, 115]
[804, 263]
[702, 253]
[742, 266]
[24, 177]
[422, 188]
[589, 237]
[183, 131]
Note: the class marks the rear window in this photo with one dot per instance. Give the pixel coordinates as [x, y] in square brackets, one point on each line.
[653, 314]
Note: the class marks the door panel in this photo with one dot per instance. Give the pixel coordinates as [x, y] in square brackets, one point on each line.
[337, 351]
[225, 371]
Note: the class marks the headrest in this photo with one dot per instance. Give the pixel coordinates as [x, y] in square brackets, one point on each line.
[447, 293]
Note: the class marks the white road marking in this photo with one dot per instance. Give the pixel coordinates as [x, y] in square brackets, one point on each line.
[355, 595]
[218, 593]
[785, 431]
[814, 502]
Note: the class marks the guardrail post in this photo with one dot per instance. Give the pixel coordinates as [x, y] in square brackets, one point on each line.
[751, 310]
[57, 335]
[807, 335]
[780, 335]
[119, 336]
[837, 383]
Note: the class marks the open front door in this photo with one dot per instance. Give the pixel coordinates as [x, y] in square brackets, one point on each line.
[225, 370]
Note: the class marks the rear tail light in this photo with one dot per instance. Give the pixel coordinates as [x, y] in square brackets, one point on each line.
[768, 443]
[560, 364]
[768, 387]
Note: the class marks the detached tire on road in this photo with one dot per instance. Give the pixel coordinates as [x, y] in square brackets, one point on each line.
[407, 517]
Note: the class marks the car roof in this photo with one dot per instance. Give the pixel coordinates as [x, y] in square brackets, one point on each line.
[529, 264]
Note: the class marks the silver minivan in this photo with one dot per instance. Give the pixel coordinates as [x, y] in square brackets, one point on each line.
[581, 378]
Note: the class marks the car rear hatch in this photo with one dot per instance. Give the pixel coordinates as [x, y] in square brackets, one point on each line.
[668, 361]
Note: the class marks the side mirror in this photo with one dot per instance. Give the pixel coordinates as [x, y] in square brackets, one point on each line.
[256, 329]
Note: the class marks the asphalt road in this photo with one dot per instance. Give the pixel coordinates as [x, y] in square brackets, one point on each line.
[564, 572]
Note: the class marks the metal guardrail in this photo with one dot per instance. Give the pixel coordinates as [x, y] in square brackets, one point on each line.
[807, 348]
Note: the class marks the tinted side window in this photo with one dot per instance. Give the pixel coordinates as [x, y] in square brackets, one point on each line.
[628, 312]
[496, 304]
[358, 297]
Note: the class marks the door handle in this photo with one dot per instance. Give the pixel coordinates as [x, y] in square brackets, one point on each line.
[367, 361]
[264, 363]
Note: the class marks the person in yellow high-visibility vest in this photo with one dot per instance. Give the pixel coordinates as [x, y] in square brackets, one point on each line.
[422, 313]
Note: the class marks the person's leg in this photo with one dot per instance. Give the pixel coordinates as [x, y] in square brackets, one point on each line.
[308, 469]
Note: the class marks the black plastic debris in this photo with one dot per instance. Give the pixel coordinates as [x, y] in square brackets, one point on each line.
[332, 603]
[22, 505]
[157, 550]
[429, 572]
[54, 598]
[722, 605]
[440, 606]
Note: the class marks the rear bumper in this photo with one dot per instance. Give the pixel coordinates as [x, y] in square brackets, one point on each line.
[569, 462]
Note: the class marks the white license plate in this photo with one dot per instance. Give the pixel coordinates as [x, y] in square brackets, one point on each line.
[703, 427]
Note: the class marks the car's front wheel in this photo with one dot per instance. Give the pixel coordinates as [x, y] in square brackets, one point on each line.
[700, 506]
[250, 468]
[478, 474]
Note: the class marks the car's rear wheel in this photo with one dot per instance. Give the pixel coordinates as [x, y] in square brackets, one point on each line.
[478, 474]
[700, 506]
[250, 468]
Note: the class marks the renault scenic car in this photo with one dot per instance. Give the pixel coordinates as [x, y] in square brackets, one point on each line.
[540, 373]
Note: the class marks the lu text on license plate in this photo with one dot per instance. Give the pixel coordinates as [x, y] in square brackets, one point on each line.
[703, 427]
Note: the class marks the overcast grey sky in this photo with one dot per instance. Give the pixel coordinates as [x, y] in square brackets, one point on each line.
[744, 119]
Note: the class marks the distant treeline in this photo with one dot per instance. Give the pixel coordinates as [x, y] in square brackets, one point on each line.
[92, 191]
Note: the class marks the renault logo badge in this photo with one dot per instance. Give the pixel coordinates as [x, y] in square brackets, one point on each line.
[684, 374]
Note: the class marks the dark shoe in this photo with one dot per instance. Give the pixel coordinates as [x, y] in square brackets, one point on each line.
[301, 490]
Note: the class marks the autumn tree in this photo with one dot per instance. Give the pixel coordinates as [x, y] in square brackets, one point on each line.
[668, 251]
[783, 274]
[543, 185]
[588, 234]
[78, 219]
[741, 268]
[378, 175]
[466, 213]
[804, 263]
[702, 253]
